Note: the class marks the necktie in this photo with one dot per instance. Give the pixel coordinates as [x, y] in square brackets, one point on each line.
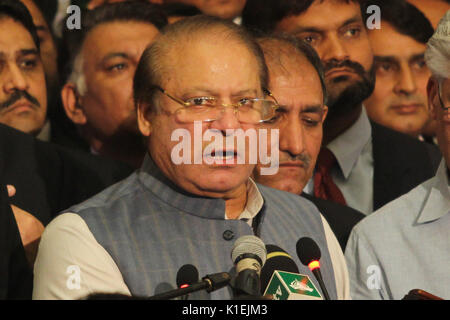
[324, 186]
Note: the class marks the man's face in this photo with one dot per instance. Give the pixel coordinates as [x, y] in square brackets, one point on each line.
[225, 9]
[400, 95]
[23, 98]
[299, 121]
[111, 52]
[49, 53]
[337, 32]
[219, 75]
[441, 117]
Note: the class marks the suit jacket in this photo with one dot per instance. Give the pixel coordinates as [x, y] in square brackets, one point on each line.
[50, 178]
[400, 164]
[341, 218]
[15, 274]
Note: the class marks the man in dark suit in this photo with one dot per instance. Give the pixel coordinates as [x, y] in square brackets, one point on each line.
[296, 81]
[361, 164]
[15, 272]
[47, 179]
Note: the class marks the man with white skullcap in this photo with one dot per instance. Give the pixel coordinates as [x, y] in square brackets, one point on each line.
[405, 244]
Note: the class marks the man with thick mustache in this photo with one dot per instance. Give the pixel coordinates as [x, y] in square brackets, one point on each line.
[361, 164]
[23, 96]
[296, 79]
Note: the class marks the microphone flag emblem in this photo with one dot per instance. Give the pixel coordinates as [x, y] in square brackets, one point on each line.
[292, 286]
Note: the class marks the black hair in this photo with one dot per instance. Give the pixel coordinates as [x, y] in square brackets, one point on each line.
[262, 16]
[179, 10]
[139, 11]
[303, 48]
[405, 18]
[17, 11]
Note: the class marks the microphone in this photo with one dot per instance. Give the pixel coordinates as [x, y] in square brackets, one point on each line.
[187, 275]
[248, 255]
[209, 283]
[309, 254]
[281, 279]
[277, 259]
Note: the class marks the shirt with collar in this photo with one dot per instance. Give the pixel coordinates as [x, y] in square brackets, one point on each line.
[404, 245]
[354, 173]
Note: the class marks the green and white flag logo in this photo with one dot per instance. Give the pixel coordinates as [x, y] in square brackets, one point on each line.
[292, 286]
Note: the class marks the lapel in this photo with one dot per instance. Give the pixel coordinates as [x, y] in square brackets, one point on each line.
[400, 164]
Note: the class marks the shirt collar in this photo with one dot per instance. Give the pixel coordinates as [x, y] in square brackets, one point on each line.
[437, 203]
[346, 148]
[254, 203]
[153, 179]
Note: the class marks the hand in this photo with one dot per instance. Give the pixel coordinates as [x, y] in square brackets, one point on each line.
[30, 228]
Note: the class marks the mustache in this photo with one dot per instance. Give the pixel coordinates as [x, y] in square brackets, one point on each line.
[355, 66]
[303, 157]
[16, 96]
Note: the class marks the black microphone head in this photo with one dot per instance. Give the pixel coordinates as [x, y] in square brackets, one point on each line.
[307, 250]
[277, 259]
[188, 274]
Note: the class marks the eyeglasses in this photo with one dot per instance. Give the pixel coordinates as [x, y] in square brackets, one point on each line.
[445, 103]
[207, 109]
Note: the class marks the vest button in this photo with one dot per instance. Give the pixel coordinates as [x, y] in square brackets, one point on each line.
[228, 235]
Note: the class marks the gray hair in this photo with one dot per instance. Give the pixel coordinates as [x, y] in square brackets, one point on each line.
[437, 55]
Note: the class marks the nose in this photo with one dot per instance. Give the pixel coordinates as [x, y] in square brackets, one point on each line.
[14, 79]
[292, 137]
[228, 119]
[406, 83]
[334, 49]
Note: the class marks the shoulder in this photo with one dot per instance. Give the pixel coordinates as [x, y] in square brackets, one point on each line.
[111, 196]
[284, 199]
[396, 215]
[386, 139]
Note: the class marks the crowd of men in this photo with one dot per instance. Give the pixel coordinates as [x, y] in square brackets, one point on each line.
[356, 120]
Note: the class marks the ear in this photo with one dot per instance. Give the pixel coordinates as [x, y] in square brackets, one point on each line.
[143, 117]
[432, 93]
[325, 112]
[72, 104]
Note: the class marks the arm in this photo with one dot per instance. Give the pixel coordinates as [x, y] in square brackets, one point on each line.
[339, 263]
[71, 264]
[366, 280]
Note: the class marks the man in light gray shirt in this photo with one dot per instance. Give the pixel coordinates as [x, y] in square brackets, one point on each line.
[405, 245]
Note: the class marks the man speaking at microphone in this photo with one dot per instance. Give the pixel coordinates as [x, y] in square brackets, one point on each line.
[133, 237]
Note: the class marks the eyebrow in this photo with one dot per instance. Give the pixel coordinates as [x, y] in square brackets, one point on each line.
[301, 29]
[390, 59]
[115, 55]
[394, 59]
[314, 108]
[26, 52]
[418, 56]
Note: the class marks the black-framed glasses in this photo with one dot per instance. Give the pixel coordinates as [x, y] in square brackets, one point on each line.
[207, 109]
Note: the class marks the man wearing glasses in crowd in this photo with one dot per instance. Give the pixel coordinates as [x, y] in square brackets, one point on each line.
[133, 237]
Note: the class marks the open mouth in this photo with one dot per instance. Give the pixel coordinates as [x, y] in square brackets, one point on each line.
[223, 154]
